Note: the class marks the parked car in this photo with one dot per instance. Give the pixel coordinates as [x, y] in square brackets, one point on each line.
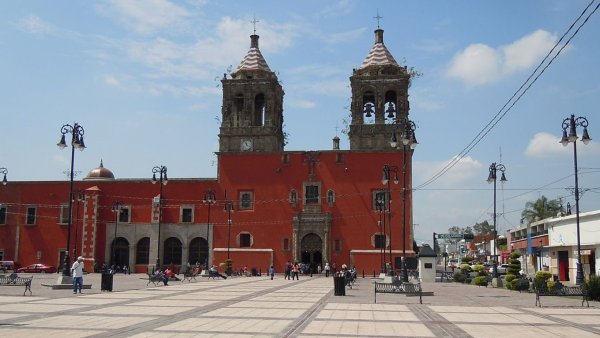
[453, 263]
[8, 265]
[502, 269]
[42, 268]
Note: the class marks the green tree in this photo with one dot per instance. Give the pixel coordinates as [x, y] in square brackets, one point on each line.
[483, 228]
[540, 209]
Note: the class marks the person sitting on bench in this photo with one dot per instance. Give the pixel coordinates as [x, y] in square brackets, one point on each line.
[214, 272]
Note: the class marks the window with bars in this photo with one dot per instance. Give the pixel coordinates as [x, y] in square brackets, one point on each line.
[187, 214]
[30, 216]
[380, 200]
[245, 240]
[246, 200]
[311, 194]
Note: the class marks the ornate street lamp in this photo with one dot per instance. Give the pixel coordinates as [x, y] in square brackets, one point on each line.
[77, 133]
[494, 167]
[572, 123]
[163, 180]
[209, 199]
[116, 208]
[408, 141]
[4, 171]
[385, 180]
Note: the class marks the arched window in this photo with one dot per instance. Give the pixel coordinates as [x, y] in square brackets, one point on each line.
[391, 107]
[120, 252]
[369, 108]
[198, 251]
[293, 196]
[330, 197]
[172, 253]
[142, 251]
[259, 110]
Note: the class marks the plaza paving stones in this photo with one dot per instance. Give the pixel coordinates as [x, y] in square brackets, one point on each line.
[260, 307]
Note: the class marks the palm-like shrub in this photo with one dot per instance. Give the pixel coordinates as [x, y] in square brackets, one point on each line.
[592, 286]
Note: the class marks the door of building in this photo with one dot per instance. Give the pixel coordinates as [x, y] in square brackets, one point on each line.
[563, 266]
[311, 249]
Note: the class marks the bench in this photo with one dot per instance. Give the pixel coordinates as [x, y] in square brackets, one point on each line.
[446, 275]
[561, 291]
[190, 274]
[155, 279]
[14, 280]
[398, 287]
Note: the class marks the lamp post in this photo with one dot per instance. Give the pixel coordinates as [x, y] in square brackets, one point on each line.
[229, 209]
[80, 198]
[380, 206]
[409, 141]
[117, 210]
[572, 123]
[163, 180]
[385, 180]
[4, 171]
[209, 198]
[494, 167]
[77, 133]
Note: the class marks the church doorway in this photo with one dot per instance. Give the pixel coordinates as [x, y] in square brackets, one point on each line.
[311, 249]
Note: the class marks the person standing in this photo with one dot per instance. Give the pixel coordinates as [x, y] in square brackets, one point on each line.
[327, 269]
[295, 271]
[77, 272]
[271, 272]
[288, 270]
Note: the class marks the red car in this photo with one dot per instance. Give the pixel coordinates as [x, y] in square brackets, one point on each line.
[37, 268]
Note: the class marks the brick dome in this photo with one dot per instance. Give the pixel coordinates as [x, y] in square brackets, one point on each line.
[100, 173]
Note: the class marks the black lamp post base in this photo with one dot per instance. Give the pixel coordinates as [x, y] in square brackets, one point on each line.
[404, 272]
[579, 278]
[66, 271]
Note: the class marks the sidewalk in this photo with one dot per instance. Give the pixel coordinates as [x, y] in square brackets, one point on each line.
[260, 307]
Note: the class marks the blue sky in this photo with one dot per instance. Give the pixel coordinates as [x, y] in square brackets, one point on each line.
[142, 77]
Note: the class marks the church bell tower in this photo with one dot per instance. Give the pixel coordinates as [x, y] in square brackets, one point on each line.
[252, 111]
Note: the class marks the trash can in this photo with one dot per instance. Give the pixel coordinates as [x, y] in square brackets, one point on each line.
[106, 283]
[339, 286]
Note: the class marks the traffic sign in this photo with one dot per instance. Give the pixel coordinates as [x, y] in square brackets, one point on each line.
[454, 236]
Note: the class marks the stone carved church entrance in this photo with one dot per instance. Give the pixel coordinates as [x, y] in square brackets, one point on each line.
[311, 248]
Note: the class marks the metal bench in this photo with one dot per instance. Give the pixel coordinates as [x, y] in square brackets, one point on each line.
[561, 291]
[155, 279]
[447, 276]
[14, 280]
[190, 274]
[398, 287]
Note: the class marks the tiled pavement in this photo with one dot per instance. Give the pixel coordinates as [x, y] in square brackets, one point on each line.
[260, 307]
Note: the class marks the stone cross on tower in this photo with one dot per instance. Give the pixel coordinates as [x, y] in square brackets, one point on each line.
[254, 22]
[378, 17]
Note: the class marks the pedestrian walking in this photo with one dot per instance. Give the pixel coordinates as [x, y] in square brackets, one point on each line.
[288, 270]
[271, 272]
[77, 273]
[295, 271]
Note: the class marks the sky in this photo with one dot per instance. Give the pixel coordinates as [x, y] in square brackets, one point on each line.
[142, 78]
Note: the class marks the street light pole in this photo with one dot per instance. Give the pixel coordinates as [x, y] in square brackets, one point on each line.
[4, 171]
[379, 206]
[209, 198]
[117, 210]
[494, 167]
[77, 133]
[163, 180]
[80, 198]
[409, 142]
[572, 123]
[229, 209]
[387, 169]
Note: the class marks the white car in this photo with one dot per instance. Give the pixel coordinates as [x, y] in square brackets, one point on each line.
[502, 269]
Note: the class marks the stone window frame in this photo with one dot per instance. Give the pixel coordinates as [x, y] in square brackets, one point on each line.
[318, 195]
[125, 214]
[330, 197]
[28, 215]
[286, 244]
[250, 239]
[241, 202]
[3, 214]
[63, 216]
[182, 210]
[293, 197]
[374, 240]
[375, 194]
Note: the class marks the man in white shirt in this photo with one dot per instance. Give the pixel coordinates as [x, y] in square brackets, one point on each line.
[77, 271]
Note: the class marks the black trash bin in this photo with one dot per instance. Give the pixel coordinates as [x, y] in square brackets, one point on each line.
[106, 284]
[339, 286]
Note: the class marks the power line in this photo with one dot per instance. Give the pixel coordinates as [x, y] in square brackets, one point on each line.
[512, 101]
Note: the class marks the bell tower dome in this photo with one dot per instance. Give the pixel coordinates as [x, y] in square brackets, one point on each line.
[252, 111]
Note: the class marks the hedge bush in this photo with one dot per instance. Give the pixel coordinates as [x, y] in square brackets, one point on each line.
[480, 280]
[509, 277]
[592, 286]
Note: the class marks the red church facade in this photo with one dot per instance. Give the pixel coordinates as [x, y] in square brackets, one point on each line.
[270, 205]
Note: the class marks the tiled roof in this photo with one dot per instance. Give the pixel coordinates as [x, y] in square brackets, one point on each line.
[254, 59]
[379, 54]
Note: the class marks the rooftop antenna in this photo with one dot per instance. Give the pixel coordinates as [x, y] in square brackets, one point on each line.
[378, 17]
[254, 21]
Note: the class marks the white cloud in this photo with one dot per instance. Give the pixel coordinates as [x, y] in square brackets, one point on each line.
[145, 16]
[480, 64]
[35, 25]
[466, 169]
[546, 145]
[339, 8]
[344, 37]
[111, 81]
[302, 104]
